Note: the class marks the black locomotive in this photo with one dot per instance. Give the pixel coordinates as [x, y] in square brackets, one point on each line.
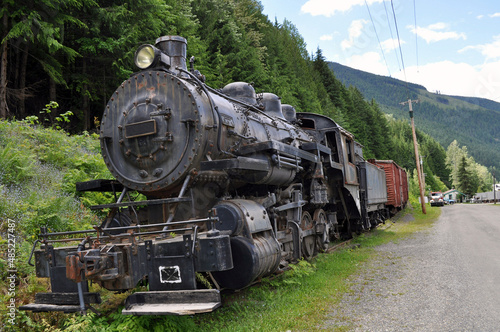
[237, 187]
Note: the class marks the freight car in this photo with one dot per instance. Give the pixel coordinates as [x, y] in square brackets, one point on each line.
[237, 187]
[397, 184]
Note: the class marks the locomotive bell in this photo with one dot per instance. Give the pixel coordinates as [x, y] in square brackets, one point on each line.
[289, 113]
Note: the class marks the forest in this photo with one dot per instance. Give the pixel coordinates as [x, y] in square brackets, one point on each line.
[61, 60]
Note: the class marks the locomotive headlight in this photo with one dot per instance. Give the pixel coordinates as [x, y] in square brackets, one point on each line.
[146, 56]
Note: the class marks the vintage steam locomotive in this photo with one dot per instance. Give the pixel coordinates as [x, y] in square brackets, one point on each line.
[237, 187]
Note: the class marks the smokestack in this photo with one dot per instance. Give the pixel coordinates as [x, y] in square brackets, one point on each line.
[175, 48]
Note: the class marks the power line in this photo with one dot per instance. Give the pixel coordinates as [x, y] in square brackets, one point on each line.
[392, 36]
[376, 34]
[416, 36]
[400, 50]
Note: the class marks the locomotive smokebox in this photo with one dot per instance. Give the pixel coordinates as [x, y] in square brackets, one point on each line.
[153, 128]
[175, 47]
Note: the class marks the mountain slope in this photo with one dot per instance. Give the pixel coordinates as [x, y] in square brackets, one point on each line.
[473, 122]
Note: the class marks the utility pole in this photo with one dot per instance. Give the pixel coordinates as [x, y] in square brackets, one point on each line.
[419, 173]
[422, 170]
[494, 189]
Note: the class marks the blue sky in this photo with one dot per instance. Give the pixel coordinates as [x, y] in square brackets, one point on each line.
[451, 46]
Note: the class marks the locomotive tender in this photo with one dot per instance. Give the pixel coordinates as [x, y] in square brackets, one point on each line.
[237, 186]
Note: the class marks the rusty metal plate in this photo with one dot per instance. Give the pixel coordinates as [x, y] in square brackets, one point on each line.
[142, 128]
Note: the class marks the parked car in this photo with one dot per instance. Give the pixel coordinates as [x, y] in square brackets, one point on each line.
[437, 198]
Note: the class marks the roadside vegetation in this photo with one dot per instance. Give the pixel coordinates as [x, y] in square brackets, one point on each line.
[38, 171]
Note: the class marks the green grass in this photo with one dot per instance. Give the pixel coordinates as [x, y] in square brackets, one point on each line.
[38, 171]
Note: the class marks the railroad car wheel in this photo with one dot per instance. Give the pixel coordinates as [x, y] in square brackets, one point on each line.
[309, 241]
[324, 238]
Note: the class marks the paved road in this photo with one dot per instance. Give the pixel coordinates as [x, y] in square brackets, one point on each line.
[444, 279]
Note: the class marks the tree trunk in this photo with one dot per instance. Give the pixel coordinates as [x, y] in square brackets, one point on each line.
[22, 82]
[52, 90]
[4, 110]
[85, 101]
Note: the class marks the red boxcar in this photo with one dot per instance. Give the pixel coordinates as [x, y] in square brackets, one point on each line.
[397, 183]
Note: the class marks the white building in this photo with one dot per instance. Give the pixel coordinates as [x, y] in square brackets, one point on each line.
[452, 194]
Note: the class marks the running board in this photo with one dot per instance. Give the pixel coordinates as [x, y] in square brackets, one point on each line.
[183, 302]
[65, 302]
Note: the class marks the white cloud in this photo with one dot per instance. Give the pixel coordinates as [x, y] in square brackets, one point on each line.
[330, 7]
[479, 17]
[447, 77]
[370, 62]
[494, 15]
[326, 37]
[431, 34]
[490, 51]
[437, 26]
[457, 78]
[355, 30]
[391, 44]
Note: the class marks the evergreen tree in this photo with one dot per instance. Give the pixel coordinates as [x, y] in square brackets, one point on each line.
[466, 180]
[34, 28]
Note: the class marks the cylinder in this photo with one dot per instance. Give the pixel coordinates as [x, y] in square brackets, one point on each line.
[251, 261]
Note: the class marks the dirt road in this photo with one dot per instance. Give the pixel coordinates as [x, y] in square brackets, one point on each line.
[444, 279]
